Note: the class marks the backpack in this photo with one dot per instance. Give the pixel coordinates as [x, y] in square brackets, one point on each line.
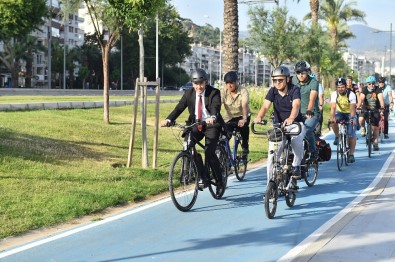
[324, 150]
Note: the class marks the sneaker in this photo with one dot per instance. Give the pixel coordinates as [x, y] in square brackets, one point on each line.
[336, 141]
[386, 136]
[203, 183]
[296, 173]
[363, 131]
[375, 146]
[351, 159]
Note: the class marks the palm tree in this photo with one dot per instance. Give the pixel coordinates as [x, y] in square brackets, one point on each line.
[336, 13]
[231, 36]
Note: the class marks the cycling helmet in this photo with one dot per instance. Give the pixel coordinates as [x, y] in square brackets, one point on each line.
[231, 77]
[381, 79]
[302, 66]
[370, 79]
[340, 81]
[198, 76]
[280, 71]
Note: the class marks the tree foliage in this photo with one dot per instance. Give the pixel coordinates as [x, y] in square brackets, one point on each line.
[274, 34]
[20, 17]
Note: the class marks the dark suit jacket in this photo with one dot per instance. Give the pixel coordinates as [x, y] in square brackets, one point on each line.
[212, 101]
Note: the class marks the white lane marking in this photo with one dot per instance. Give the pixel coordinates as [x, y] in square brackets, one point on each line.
[294, 252]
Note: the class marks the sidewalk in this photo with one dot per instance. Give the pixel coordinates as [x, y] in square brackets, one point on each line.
[363, 231]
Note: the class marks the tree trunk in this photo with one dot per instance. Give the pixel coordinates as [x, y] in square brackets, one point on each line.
[106, 99]
[314, 8]
[231, 36]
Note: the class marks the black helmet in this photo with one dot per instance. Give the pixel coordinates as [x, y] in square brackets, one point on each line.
[280, 71]
[302, 66]
[340, 81]
[381, 79]
[231, 77]
[198, 76]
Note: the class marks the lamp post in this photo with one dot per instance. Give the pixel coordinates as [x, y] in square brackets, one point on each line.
[390, 64]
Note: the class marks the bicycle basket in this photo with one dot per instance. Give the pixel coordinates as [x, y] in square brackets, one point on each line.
[275, 135]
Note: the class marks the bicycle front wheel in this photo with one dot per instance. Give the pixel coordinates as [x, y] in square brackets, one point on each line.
[183, 181]
[270, 200]
[369, 139]
[339, 153]
[224, 162]
[241, 166]
[311, 173]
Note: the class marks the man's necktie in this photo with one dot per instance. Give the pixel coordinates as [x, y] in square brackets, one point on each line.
[200, 105]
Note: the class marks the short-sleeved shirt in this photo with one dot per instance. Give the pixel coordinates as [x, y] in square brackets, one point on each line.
[371, 100]
[386, 90]
[343, 101]
[305, 89]
[283, 104]
[232, 106]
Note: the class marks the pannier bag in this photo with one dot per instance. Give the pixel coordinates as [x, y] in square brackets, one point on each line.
[324, 150]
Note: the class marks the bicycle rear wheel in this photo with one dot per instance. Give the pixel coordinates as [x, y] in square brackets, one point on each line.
[346, 149]
[311, 173]
[217, 189]
[339, 153]
[369, 139]
[270, 199]
[183, 181]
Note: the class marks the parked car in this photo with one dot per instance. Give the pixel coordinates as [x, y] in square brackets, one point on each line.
[170, 88]
[186, 86]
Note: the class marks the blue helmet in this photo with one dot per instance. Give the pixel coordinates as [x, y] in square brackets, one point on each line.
[370, 79]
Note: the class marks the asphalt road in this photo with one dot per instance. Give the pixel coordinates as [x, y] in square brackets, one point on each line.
[234, 228]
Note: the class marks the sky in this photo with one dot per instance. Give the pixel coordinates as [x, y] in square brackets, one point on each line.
[379, 13]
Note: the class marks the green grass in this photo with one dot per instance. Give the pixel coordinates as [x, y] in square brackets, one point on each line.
[56, 165]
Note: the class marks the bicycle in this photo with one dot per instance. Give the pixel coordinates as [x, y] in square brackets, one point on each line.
[280, 182]
[369, 131]
[233, 158]
[343, 147]
[187, 172]
[381, 128]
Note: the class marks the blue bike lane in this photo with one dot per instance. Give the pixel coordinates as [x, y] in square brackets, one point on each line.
[233, 228]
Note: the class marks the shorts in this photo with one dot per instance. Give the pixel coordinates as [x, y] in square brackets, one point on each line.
[351, 129]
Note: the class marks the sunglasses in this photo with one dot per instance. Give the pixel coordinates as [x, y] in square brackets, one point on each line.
[301, 73]
[280, 81]
[370, 83]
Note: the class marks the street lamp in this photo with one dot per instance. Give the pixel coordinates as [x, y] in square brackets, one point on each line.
[390, 31]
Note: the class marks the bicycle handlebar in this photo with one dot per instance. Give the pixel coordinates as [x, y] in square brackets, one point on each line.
[262, 123]
[284, 129]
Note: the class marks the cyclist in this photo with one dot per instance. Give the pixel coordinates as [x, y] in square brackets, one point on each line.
[371, 97]
[343, 103]
[350, 85]
[286, 104]
[388, 101]
[321, 104]
[235, 107]
[309, 103]
[204, 103]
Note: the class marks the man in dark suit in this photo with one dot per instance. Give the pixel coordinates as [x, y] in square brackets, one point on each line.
[208, 99]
